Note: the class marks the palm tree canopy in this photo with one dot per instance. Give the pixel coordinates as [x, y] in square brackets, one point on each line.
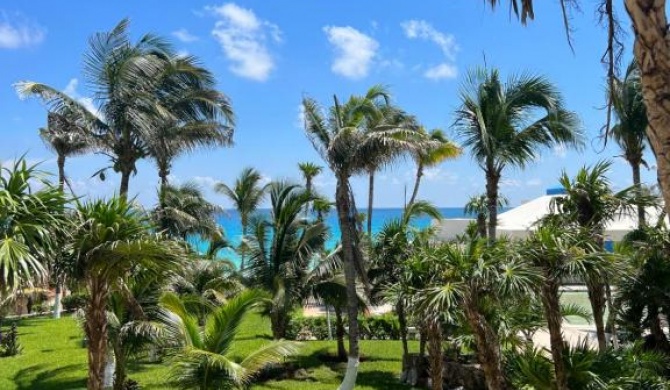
[477, 204]
[183, 211]
[64, 137]
[496, 119]
[309, 170]
[629, 132]
[444, 149]
[247, 193]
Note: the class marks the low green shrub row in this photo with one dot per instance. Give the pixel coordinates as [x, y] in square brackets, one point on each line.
[377, 327]
[74, 301]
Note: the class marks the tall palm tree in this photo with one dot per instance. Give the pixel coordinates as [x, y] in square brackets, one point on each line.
[281, 250]
[348, 147]
[203, 357]
[246, 194]
[507, 124]
[430, 157]
[140, 88]
[110, 240]
[478, 206]
[630, 130]
[309, 172]
[183, 211]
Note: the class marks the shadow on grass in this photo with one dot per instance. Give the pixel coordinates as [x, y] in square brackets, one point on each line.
[380, 380]
[257, 337]
[39, 378]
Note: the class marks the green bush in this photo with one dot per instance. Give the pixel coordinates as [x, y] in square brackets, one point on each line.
[9, 342]
[305, 328]
[74, 301]
[378, 327]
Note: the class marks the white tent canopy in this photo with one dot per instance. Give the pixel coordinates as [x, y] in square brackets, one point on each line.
[519, 221]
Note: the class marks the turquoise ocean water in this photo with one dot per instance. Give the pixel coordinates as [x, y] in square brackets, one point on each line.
[230, 222]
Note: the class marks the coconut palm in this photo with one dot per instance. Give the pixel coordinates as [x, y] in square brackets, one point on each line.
[111, 239]
[246, 194]
[478, 206]
[508, 123]
[183, 211]
[30, 221]
[321, 207]
[281, 249]
[309, 171]
[471, 277]
[430, 157]
[630, 130]
[202, 356]
[348, 148]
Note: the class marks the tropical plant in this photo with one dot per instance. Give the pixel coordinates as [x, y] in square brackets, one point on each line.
[348, 147]
[202, 356]
[321, 207]
[630, 130]
[246, 194]
[111, 239]
[430, 157]
[30, 219]
[309, 171]
[507, 124]
[183, 211]
[281, 249]
[478, 206]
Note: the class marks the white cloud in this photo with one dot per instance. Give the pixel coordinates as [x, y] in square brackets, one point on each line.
[420, 29]
[560, 151]
[87, 102]
[18, 33]
[243, 38]
[438, 174]
[534, 182]
[183, 35]
[354, 51]
[205, 181]
[508, 183]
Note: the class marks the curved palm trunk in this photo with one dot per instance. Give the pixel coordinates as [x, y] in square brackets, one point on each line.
[637, 182]
[125, 182]
[417, 182]
[347, 221]
[596, 291]
[492, 179]
[61, 171]
[435, 354]
[59, 292]
[402, 322]
[488, 348]
[61, 184]
[96, 332]
[652, 51]
[339, 334]
[371, 195]
[308, 188]
[552, 311]
[120, 369]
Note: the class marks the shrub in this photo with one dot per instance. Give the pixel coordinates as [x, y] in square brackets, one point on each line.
[377, 327]
[305, 328]
[380, 327]
[9, 342]
[74, 301]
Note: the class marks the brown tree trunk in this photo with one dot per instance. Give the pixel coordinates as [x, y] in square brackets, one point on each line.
[339, 334]
[125, 181]
[417, 182]
[481, 225]
[96, 332]
[402, 322]
[552, 311]
[347, 221]
[488, 348]
[120, 368]
[596, 290]
[637, 182]
[656, 330]
[652, 51]
[164, 180]
[492, 179]
[435, 354]
[61, 171]
[371, 196]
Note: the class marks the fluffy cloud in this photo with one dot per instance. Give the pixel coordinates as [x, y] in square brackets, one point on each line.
[183, 35]
[19, 32]
[354, 51]
[420, 29]
[244, 39]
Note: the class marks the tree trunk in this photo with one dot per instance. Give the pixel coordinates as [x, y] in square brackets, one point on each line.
[125, 181]
[61, 171]
[242, 247]
[656, 330]
[596, 290]
[435, 354]
[552, 311]
[96, 332]
[347, 221]
[481, 225]
[57, 308]
[402, 322]
[488, 348]
[164, 180]
[652, 51]
[417, 182]
[611, 316]
[339, 333]
[492, 179]
[422, 339]
[120, 369]
[637, 182]
[371, 196]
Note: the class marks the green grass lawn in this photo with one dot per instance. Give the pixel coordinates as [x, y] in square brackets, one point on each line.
[580, 298]
[53, 358]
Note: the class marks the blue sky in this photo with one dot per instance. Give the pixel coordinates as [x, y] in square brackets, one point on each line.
[267, 55]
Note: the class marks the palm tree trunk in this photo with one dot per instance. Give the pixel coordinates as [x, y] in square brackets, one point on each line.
[652, 51]
[656, 330]
[417, 182]
[552, 311]
[481, 225]
[308, 188]
[96, 332]
[339, 334]
[492, 179]
[125, 181]
[57, 308]
[596, 291]
[402, 322]
[422, 339]
[637, 182]
[611, 316]
[242, 247]
[120, 369]
[164, 180]
[371, 195]
[435, 354]
[61, 171]
[488, 348]
[348, 229]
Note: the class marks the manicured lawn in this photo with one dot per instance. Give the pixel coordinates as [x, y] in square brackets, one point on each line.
[53, 358]
[580, 298]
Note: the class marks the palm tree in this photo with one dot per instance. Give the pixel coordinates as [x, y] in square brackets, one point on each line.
[322, 207]
[110, 240]
[281, 249]
[471, 276]
[246, 194]
[477, 205]
[348, 148]
[202, 356]
[630, 130]
[430, 157]
[496, 122]
[183, 211]
[140, 88]
[309, 172]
